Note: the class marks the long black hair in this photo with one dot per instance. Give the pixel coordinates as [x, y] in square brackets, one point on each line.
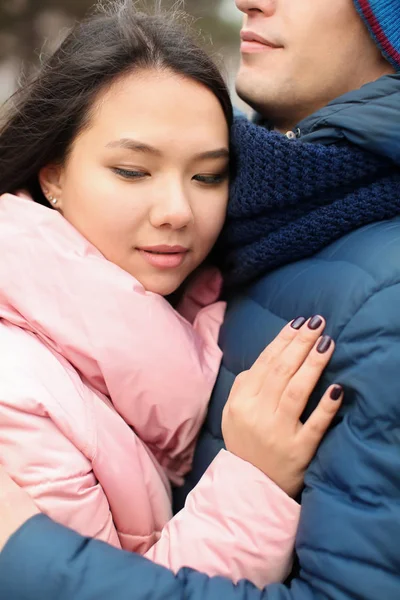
[46, 114]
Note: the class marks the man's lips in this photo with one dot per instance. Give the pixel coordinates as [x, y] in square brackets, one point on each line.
[252, 42]
[163, 256]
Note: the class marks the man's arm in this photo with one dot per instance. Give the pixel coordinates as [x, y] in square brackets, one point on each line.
[46, 561]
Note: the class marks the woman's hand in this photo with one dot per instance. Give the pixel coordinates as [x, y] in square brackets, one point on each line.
[261, 420]
[16, 507]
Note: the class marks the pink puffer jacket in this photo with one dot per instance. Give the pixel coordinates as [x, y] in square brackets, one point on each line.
[103, 390]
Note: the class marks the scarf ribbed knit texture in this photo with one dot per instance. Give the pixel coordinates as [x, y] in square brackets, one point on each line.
[291, 199]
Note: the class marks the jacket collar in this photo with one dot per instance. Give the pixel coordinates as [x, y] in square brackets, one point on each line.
[129, 344]
[368, 117]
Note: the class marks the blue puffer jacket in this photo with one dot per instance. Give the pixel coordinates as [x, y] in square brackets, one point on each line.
[349, 535]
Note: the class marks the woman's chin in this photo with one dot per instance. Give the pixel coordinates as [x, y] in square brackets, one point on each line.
[163, 284]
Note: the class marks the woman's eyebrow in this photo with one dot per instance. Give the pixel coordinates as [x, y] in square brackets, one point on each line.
[136, 146]
[219, 153]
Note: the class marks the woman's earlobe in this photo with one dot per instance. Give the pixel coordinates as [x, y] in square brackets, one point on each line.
[52, 200]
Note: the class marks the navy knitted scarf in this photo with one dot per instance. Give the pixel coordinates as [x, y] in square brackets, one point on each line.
[290, 199]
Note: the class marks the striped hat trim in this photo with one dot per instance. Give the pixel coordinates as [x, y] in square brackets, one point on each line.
[392, 54]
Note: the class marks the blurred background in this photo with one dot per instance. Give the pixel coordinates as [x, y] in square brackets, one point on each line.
[29, 28]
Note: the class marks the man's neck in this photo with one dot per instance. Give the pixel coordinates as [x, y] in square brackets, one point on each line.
[289, 122]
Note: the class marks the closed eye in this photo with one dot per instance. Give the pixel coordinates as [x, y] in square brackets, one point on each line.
[128, 174]
[216, 179]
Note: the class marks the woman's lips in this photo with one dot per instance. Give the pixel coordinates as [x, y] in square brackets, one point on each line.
[163, 260]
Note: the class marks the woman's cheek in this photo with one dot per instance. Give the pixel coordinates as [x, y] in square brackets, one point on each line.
[118, 220]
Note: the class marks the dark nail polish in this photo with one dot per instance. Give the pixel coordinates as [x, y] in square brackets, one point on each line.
[315, 322]
[336, 392]
[324, 344]
[298, 322]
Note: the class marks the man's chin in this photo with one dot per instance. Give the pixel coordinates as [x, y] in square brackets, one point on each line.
[266, 93]
[250, 88]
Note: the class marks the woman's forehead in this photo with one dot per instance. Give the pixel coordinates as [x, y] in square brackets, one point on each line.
[158, 109]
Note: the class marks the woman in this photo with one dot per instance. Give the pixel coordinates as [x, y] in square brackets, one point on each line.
[111, 201]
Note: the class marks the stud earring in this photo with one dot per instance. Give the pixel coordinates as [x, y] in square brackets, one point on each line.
[53, 200]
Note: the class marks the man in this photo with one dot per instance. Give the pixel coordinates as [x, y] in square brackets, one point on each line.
[315, 243]
[307, 231]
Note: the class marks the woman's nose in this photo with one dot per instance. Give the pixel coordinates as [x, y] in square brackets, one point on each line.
[171, 209]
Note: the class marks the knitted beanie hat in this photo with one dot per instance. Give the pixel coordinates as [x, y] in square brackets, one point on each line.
[382, 18]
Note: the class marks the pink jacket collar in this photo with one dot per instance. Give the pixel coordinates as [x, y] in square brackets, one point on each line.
[157, 368]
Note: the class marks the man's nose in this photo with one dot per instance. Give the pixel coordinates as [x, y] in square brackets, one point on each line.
[172, 209]
[250, 7]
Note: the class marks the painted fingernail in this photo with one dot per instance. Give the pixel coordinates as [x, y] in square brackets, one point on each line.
[336, 392]
[298, 322]
[315, 322]
[324, 344]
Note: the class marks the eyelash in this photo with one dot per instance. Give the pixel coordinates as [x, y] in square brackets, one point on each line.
[204, 179]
